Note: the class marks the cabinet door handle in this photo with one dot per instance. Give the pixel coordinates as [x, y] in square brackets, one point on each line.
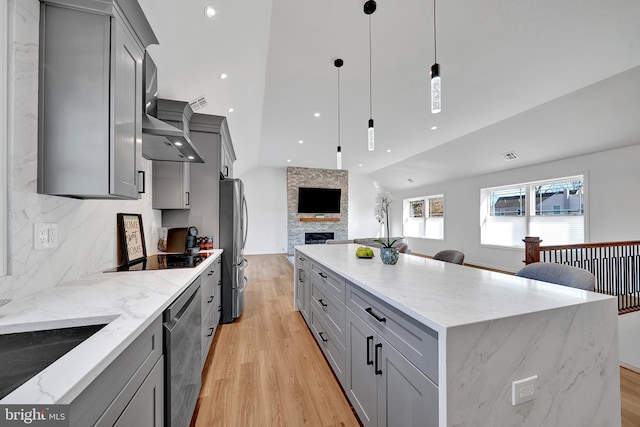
[322, 303]
[188, 197]
[324, 276]
[143, 180]
[210, 299]
[226, 170]
[378, 370]
[219, 308]
[375, 316]
[300, 275]
[369, 341]
[210, 273]
[210, 332]
[322, 337]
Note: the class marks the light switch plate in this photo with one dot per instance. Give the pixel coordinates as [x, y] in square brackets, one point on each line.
[524, 390]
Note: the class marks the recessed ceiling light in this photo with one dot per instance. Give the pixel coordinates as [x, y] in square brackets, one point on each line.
[316, 115]
[209, 11]
[223, 76]
[231, 110]
[300, 141]
[360, 164]
[178, 143]
[434, 127]
[389, 150]
[289, 160]
[190, 157]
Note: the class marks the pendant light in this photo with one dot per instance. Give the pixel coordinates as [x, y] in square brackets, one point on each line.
[369, 8]
[436, 95]
[338, 63]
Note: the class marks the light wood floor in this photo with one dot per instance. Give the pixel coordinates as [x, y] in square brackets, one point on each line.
[265, 369]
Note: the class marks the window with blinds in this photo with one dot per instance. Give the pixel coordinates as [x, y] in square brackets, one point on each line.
[424, 217]
[552, 210]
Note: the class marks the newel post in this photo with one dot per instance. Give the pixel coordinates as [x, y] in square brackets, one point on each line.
[531, 249]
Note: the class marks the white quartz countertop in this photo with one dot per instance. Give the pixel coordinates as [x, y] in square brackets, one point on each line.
[443, 295]
[127, 301]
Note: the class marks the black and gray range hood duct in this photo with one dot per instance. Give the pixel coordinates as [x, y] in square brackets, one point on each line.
[165, 132]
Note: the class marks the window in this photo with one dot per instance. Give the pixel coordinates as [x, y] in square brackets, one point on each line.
[424, 217]
[552, 210]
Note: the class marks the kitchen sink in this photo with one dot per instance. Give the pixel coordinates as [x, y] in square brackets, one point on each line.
[24, 354]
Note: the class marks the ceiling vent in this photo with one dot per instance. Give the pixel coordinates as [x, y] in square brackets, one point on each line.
[198, 103]
[509, 156]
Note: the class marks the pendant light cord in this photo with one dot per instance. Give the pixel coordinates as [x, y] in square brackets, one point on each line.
[338, 106]
[370, 97]
[435, 56]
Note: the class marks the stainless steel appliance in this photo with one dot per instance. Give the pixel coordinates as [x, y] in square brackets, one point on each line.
[182, 356]
[233, 236]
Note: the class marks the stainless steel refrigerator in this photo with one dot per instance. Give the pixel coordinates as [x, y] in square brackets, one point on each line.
[233, 236]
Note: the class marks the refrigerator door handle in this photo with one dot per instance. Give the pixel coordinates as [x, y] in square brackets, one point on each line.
[246, 221]
[244, 286]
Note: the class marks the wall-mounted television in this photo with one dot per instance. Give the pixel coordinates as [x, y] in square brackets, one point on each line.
[319, 200]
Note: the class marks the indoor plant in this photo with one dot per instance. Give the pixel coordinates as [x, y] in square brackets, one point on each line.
[388, 254]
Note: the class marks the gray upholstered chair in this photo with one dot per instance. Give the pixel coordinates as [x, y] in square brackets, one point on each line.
[450, 255]
[560, 274]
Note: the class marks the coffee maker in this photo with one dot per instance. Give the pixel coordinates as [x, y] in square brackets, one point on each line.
[192, 246]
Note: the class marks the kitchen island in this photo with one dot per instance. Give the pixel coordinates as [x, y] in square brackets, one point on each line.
[130, 305]
[433, 343]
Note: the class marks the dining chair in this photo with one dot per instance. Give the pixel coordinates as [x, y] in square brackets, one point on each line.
[450, 255]
[560, 274]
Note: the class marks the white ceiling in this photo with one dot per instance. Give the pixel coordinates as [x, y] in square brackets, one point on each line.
[547, 79]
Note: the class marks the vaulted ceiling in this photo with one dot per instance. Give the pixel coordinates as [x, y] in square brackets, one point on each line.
[544, 79]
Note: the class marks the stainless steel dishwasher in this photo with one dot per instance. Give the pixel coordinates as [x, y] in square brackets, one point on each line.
[182, 356]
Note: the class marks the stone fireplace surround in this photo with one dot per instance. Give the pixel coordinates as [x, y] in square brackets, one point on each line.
[331, 223]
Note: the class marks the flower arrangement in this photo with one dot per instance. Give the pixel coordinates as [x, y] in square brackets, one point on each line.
[381, 211]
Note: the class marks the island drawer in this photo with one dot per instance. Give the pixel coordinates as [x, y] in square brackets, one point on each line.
[302, 261]
[332, 310]
[415, 341]
[332, 281]
[332, 348]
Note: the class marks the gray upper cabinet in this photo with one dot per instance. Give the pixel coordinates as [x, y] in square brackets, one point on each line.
[172, 180]
[90, 97]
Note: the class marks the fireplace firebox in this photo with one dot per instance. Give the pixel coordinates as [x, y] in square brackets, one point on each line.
[317, 238]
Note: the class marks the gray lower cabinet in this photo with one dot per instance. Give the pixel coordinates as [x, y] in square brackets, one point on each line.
[211, 304]
[171, 185]
[90, 98]
[384, 388]
[131, 387]
[149, 399]
[303, 285]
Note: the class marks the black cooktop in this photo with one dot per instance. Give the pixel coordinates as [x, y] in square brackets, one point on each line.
[162, 262]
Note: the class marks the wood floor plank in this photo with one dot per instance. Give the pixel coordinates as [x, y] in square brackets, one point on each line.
[265, 369]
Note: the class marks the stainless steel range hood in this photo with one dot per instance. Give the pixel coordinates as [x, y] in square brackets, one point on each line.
[161, 140]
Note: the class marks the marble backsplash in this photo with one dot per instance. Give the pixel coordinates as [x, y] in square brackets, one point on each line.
[86, 228]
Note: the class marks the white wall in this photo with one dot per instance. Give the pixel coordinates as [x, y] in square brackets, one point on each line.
[362, 196]
[613, 204]
[266, 192]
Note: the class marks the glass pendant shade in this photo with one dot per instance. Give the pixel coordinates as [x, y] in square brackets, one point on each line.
[339, 158]
[371, 136]
[436, 106]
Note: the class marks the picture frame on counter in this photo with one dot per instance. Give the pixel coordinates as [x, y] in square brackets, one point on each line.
[131, 236]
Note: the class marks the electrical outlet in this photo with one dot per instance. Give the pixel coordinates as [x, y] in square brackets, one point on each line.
[45, 235]
[524, 390]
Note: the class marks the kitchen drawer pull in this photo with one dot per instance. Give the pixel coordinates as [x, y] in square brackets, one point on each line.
[210, 299]
[324, 276]
[210, 273]
[369, 361]
[322, 303]
[378, 370]
[375, 316]
[302, 259]
[210, 332]
[322, 337]
[219, 308]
